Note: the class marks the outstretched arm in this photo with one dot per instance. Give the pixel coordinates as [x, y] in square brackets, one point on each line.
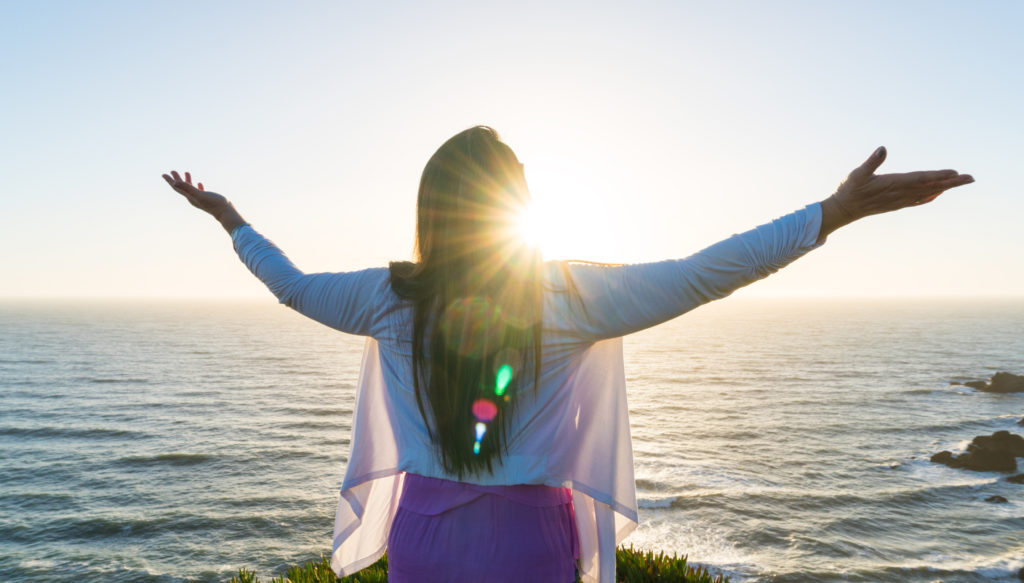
[865, 193]
[343, 301]
[218, 206]
[624, 299]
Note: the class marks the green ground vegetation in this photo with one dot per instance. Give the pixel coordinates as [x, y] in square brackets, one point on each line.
[632, 566]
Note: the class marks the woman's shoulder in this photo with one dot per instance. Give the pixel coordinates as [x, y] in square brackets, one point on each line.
[562, 267]
[567, 275]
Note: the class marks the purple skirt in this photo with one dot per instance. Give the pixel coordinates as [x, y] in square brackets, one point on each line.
[453, 532]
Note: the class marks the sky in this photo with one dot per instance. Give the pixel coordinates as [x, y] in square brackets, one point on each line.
[648, 130]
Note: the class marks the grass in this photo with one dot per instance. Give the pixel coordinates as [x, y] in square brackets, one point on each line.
[631, 566]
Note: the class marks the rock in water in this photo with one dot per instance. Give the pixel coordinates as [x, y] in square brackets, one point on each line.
[979, 459]
[1001, 441]
[987, 460]
[1018, 479]
[1004, 382]
[996, 499]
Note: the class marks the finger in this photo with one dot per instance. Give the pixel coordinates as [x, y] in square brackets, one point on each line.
[870, 165]
[921, 178]
[168, 179]
[177, 177]
[932, 175]
[201, 186]
[944, 185]
[188, 178]
[958, 180]
[931, 191]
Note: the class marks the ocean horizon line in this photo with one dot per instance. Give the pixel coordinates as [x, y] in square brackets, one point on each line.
[263, 298]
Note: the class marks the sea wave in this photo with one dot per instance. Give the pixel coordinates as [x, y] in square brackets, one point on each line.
[309, 425]
[317, 412]
[645, 484]
[942, 568]
[108, 380]
[37, 500]
[72, 432]
[43, 570]
[170, 459]
[650, 503]
[810, 501]
[107, 527]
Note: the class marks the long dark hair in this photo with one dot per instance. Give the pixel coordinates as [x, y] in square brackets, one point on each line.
[476, 291]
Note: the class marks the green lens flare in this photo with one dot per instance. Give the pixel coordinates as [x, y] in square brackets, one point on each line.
[476, 448]
[504, 378]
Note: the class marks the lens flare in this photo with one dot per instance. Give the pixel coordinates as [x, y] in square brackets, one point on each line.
[504, 378]
[480, 429]
[484, 410]
[476, 448]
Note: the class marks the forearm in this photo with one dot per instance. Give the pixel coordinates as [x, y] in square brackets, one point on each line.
[624, 299]
[229, 218]
[343, 301]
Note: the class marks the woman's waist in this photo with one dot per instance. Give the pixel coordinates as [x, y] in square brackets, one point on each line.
[427, 495]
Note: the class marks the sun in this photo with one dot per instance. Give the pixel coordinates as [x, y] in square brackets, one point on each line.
[570, 215]
[529, 226]
[564, 227]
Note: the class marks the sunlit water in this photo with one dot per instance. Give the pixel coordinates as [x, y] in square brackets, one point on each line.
[777, 441]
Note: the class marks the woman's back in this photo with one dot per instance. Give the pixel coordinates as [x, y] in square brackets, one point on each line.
[571, 430]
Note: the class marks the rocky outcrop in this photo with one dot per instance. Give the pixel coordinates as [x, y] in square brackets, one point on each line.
[1018, 479]
[996, 499]
[978, 461]
[1000, 441]
[986, 453]
[1001, 382]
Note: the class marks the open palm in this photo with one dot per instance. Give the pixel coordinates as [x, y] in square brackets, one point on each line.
[198, 196]
[865, 193]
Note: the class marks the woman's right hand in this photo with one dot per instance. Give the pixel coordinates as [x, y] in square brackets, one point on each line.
[865, 193]
[216, 205]
[210, 202]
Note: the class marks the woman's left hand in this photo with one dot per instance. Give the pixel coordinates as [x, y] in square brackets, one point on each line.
[865, 193]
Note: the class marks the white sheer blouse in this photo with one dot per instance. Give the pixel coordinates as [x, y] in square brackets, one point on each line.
[571, 432]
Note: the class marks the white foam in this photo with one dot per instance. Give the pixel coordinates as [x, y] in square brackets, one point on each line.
[42, 564]
[656, 502]
[701, 542]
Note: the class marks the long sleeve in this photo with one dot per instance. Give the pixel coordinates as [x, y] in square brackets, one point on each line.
[618, 300]
[350, 302]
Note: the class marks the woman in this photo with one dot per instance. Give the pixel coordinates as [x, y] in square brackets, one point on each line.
[490, 437]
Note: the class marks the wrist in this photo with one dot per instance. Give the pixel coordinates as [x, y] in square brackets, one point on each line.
[229, 218]
[833, 215]
[843, 208]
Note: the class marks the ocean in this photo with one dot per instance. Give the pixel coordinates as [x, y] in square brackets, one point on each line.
[776, 441]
